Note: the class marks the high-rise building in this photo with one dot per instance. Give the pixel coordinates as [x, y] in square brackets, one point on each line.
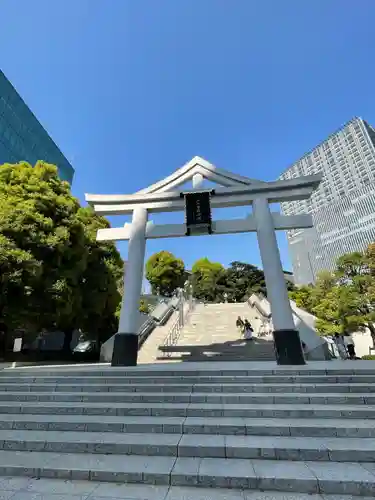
[22, 137]
[343, 207]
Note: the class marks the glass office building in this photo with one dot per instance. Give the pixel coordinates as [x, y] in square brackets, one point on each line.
[22, 137]
[343, 207]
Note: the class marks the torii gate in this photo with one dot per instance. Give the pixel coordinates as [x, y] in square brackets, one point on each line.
[234, 190]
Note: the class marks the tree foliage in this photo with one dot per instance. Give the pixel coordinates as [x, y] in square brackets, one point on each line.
[144, 306]
[205, 278]
[165, 273]
[303, 297]
[344, 300]
[241, 280]
[209, 281]
[213, 283]
[54, 275]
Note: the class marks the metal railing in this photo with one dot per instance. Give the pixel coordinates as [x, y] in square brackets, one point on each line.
[172, 337]
[145, 330]
[174, 332]
[265, 328]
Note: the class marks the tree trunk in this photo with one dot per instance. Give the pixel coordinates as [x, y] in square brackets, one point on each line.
[3, 338]
[371, 327]
[68, 336]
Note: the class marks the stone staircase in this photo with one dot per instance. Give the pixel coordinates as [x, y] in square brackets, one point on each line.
[149, 350]
[211, 334]
[243, 430]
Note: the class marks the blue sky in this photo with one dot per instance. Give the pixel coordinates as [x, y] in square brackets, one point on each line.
[132, 89]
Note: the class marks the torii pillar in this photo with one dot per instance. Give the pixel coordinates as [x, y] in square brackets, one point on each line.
[287, 341]
[125, 347]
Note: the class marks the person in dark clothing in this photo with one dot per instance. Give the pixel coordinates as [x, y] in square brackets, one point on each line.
[349, 343]
[351, 351]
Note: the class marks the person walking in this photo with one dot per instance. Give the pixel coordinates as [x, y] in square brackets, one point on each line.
[248, 330]
[349, 344]
[341, 347]
[240, 325]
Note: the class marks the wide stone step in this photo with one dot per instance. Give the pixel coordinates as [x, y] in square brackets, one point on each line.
[300, 477]
[192, 388]
[318, 427]
[58, 489]
[264, 410]
[188, 445]
[227, 369]
[193, 380]
[239, 398]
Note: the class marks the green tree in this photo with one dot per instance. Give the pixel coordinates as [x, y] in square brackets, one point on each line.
[327, 310]
[165, 273]
[304, 297]
[355, 275]
[101, 283]
[343, 300]
[19, 270]
[370, 257]
[351, 265]
[322, 300]
[336, 311]
[50, 259]
[324, 284]
[240, 280]
[205, 278]
[144, 307]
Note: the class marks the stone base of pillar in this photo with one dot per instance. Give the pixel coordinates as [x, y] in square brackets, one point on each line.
[125, 350]
[288, 348]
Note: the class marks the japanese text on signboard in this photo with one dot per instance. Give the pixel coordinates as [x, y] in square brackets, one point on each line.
[198, 211]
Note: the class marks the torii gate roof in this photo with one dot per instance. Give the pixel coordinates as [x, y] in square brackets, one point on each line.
[237, 191]
[198, 165]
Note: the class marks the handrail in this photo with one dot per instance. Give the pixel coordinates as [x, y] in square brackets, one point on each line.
[254, 301]
[172, 337]
[174, 332]
[145, 330]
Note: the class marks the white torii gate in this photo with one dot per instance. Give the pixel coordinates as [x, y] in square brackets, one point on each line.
[235, 190]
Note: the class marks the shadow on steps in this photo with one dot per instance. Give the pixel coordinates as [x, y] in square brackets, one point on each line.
[235, 350]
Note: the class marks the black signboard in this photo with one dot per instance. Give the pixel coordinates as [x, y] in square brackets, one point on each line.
[198, 212]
